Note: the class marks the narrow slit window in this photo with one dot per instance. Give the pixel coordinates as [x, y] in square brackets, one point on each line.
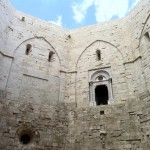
[28, 49]
[23, 19]
[98, 54]
[147, 36]
[50, 56]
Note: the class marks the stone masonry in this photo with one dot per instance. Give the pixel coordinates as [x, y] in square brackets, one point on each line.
[82, 89]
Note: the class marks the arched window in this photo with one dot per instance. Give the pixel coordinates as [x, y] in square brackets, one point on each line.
[28, 49]
[100, 78]
[50, 56]
[100, 87]
[98, 54]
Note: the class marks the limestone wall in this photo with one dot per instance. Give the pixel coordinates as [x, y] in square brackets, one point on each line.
[74, 56]
[118, 127]
[6, 15]
[47, 99]
[119, 42]
[122, 126]
[6, 22]
[34, 77]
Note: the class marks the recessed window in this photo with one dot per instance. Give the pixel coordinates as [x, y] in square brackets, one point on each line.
[98, 54]
[50, 56]
[23, 19]
[100, 78]
[147, 36]
[101, 112]
[25, 138]
[28, 49]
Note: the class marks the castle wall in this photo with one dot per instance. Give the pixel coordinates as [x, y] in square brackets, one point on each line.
[144, 52]
[48, 98]
[119, 126]
[6, 18]
[33, 77]
[128, 79]
[117, 40]
[34, 73]
[6, 15]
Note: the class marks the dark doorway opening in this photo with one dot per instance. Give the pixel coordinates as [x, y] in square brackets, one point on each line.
[101, 95]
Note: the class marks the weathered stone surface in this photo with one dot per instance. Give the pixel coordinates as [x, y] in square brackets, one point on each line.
[48, 77]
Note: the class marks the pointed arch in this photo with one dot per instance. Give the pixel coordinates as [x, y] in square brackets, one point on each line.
[37, 38]
[94, 43]
[42, 77]
[142, 32]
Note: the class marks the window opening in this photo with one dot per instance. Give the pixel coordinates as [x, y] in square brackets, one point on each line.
[28, 49]
[100, 78]
[23, 19]
[101, 95]
[147, 36]
[101, 112]
[98, 54]
[50, 56]
[25, 138]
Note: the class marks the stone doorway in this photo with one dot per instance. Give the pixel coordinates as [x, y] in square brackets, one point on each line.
[100, 87]
[101, 95]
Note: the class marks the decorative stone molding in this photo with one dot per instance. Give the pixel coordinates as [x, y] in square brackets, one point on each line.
[105, 79]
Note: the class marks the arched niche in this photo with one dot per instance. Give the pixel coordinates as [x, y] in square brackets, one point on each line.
[111, 57]
[143, 84]
[32, 77]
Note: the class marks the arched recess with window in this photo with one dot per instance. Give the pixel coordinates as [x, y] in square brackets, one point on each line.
[34, 73]
[100, 86]
[143, 82]
[143, 76]
[110, 57]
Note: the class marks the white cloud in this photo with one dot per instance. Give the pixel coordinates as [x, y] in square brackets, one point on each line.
[104, 9]
[80, 10]
[58, 21]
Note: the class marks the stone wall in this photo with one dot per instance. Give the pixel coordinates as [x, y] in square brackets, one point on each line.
[75, 55]
[6, 21]
[119, 42]
[6, 14]
[45, 78]
[113, 127]
[121, 126]
[34, 72]
[34, 76]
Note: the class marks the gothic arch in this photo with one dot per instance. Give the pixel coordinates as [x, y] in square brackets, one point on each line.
[37, 76]
[142, 32]
[143, 47]
[37, 38]
[95, 42]
[96, 66]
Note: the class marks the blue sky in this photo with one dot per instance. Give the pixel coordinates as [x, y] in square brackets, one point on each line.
[73, 14]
